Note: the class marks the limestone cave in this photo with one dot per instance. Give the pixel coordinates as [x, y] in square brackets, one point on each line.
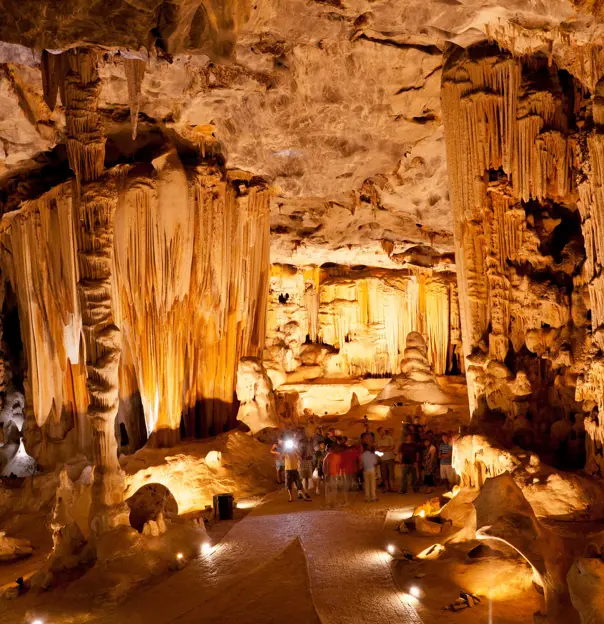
[302, 311]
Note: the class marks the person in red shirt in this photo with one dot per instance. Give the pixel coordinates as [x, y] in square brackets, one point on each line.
[350, 466]
[331, 471]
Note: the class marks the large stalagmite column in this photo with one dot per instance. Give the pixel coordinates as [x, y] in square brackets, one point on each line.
[95, 208]
[508, 143]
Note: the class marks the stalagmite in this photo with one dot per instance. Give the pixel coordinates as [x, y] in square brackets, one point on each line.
[416, 382]
[255, 393]
[95, 202]
[103, 347]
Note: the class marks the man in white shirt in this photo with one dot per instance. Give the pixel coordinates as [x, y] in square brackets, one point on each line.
[369, 461]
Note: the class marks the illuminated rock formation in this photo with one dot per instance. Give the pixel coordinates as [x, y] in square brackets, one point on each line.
[552, 493]
[255, 393]
[364, 314]
[416, 381]
[520, 253]
[502, 513]
[220, 209]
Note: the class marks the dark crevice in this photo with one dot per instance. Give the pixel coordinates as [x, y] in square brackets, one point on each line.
[426, 48]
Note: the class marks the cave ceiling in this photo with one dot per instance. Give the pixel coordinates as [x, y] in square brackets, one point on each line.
[335, 102]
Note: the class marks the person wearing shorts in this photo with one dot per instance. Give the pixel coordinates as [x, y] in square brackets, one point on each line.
[292, 476]
[277, 451]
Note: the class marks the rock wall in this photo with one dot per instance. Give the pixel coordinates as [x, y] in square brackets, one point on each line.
[355, 320]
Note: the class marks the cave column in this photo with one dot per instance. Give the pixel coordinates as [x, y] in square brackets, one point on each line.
[95, 201]
[507, 144]
[479, 104]
[590, 387]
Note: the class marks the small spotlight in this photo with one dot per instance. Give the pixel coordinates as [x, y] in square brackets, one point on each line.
[38, 621]
[206, 548]
[290, 445]
[415, 591]
[179, 556]
[391, 549]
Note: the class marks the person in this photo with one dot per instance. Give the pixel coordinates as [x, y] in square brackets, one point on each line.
[331, 470]
[349, 466]
[318, 465]
[330, 439]
[277, 451]
[378, 437]
[318, 438]
[415, 431]
[367, 437]
[305, 461]
[369, 461]
[429, 462]
[410, 458]
[386, 447]
[291, 455]
[445, 455]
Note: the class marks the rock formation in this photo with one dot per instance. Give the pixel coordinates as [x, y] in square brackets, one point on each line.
[220, 212]
[502, 513]
[416, 382]
[520, 245]
[255, 393]
[364, 314]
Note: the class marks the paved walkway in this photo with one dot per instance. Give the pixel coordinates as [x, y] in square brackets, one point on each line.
[348, 572]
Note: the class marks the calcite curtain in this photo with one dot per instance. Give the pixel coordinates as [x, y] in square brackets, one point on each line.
[190, 286]
[366, 314]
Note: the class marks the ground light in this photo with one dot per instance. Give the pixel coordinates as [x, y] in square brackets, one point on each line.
[179, 556]
[415, 591]
[206, 548]
[290, 445]
[38, 621]
[391, 549]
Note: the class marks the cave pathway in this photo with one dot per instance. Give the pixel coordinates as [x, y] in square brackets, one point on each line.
[346, 573]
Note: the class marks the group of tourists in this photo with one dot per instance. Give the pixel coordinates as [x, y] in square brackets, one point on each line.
[304, 461]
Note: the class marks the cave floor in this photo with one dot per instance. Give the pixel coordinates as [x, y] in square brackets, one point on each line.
[299, 563]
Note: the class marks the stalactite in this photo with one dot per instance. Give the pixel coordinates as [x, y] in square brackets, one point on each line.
[53, 68]
[366, 316]
[438, 327]
[507, 140]
[85, 136]
[183, 238]
[43, 275]
[591, 208]
[311, 300]
[135, 72]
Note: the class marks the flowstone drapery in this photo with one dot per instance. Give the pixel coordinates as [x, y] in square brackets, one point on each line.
[185, 281]
[511, 138]
[365, 314]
